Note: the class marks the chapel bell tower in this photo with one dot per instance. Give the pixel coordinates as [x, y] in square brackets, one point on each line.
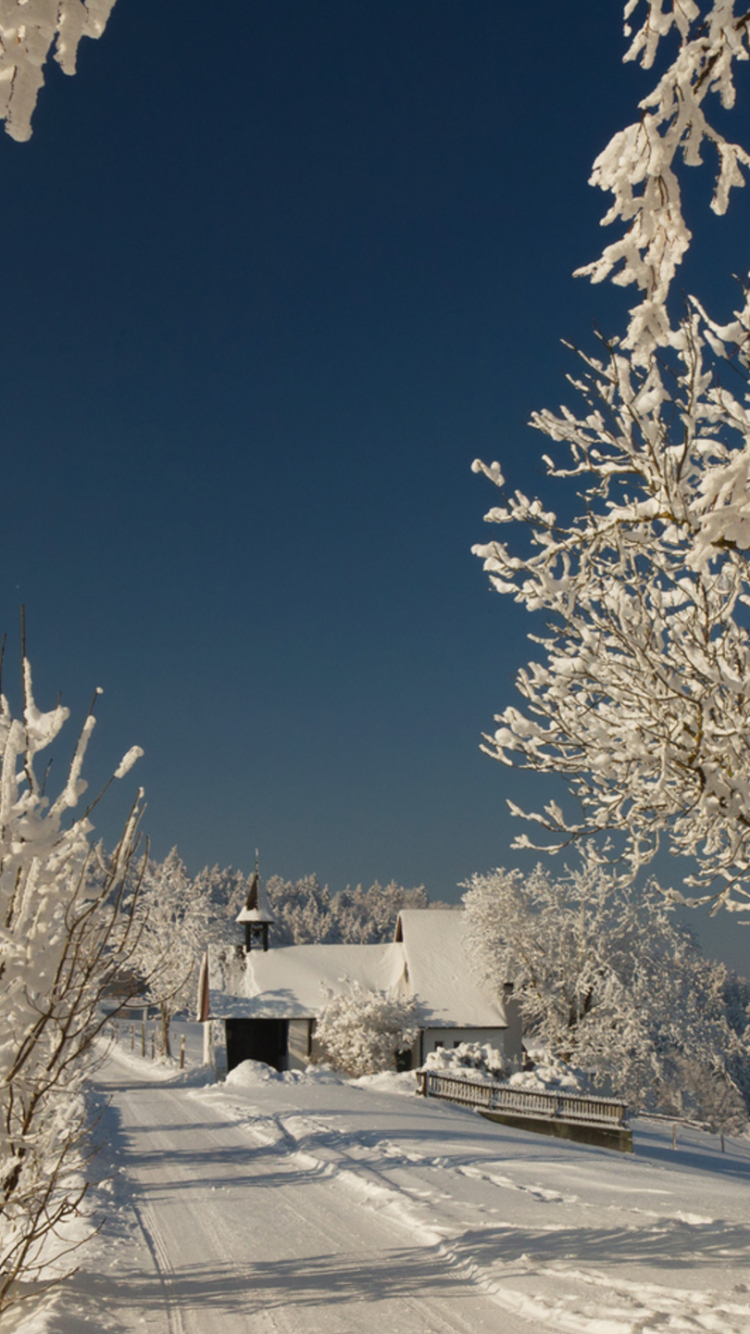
[256, 916]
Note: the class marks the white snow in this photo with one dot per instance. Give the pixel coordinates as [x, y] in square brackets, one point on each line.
[440, 971]
[427, 960]
[289, 980]
[304, 1204]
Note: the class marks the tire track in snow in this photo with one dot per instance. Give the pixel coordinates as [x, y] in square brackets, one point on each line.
[620, 1306]
[162, 1266]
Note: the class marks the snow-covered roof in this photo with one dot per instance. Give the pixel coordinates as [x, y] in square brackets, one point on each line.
[293, 981]
[427, 960]
[440, 973]
[256, 908]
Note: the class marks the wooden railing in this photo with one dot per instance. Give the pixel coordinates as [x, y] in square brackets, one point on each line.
[570, 1108]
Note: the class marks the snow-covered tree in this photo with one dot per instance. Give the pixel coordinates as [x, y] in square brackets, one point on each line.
[28, 30]
[172, 938]
[221, 893]
[639, 697]
[367, 916]
[66, 936]
[306, 912]
[302, 911]
[608, 979]
[361, 1032]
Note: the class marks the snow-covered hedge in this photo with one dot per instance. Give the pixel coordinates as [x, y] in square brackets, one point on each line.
[469, 1060]
[483, 1064]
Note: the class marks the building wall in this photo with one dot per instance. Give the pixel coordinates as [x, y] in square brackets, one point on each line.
[215, 1046]
[506, 1040]
[300, 1044]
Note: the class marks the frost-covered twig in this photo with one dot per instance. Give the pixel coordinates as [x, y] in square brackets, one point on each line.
[28, 30]
[639, 165]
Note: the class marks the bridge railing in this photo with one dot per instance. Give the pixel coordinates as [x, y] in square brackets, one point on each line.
[569, 1108]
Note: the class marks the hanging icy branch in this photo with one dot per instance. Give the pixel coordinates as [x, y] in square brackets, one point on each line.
[638, 166]
[28, 29]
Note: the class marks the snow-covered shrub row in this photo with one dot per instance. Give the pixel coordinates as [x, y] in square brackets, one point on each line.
[66, 935]
[28, 30]
[483, 1064]
[361, 1032]
[470, 1060]
[607, 979]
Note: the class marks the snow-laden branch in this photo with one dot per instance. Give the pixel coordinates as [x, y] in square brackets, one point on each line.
[639, 697]
[28, 30]
[64, 934]
[639, 165]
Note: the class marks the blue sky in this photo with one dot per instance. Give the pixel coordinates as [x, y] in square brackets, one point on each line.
[271, 282]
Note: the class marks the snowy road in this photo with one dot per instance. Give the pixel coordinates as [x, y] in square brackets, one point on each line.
[283, 1206]
[247, 1233]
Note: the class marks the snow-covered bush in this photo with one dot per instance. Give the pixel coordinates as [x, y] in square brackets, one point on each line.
[28, 30]
[66, 936]
[550, 1074]
[361, 1032]
[469, 1060]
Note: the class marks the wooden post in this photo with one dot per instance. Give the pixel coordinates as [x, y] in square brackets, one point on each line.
[153, 1045]
[132, 1037]
[674, 1135]
[143, 1037]
[182, 1052]
[722, 1141]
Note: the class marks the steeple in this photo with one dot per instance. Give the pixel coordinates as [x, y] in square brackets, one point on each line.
[256, 915]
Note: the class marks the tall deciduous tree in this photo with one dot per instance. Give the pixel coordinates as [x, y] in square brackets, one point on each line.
[639, 695]
[609, 980]
[171, 938]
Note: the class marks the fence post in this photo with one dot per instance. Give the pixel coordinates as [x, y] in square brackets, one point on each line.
[182, 1052]
[674, 1135]
[143, 1037]
[132, 1037]
[153, 1045]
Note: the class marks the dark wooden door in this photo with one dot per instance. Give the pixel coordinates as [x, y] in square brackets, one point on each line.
[256, 1040]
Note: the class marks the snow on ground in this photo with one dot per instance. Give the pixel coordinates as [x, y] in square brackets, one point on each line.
[297, 1205]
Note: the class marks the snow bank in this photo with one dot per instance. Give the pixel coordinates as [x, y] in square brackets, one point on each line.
[388, 1081]
[248, 1074]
